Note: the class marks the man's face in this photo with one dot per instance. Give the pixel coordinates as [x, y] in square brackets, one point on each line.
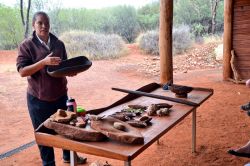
[42, 26]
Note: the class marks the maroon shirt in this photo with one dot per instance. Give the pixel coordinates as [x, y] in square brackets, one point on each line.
[40, 84]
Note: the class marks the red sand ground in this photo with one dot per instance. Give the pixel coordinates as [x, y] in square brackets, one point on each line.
[220, 123]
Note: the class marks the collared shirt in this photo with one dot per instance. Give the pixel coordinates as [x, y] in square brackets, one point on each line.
[43, 43]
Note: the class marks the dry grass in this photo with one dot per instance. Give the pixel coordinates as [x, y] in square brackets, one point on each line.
[92, 45]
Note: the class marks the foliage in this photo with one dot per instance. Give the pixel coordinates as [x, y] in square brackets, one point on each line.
[197, 14]
[125, 21]
[182, 40]
[11, 32]
[148, 42]
[92, 45]
[213, 38]
[120, 20]
[148, 16]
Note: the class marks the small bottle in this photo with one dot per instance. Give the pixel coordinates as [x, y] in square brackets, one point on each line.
[81, 111]
[71, 104]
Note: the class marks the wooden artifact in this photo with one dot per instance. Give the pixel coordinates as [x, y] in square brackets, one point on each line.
[63, 116]
[69, 67]
[180, 91]
[237, 77]
[72, 132]
[140, 93]
[108, 126]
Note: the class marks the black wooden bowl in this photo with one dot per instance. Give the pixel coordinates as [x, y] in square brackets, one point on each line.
[70, 67]
[180, 91]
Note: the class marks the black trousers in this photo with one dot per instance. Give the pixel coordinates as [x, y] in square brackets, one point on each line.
[40, 111]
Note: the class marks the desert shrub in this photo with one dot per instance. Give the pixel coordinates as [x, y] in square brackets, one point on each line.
[92, 45]
[213, 38]
[148, 42]
[182, 40]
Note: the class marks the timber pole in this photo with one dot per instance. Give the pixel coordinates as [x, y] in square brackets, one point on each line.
[227, 39]
[165, 41]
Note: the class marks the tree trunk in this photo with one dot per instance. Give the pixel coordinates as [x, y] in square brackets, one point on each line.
[21, 11]
[27, 21]
[214, 5]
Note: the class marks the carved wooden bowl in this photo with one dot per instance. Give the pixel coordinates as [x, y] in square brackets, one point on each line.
[180, 91]
[70, 67]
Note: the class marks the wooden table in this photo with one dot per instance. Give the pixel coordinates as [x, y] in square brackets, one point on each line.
[126, 152]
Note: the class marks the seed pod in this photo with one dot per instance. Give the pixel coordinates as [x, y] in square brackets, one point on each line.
[137, 123]
[119, 126]
[163, 105]
[145, 119]
[137, 106]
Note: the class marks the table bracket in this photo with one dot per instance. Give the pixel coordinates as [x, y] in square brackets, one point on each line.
[127, 163]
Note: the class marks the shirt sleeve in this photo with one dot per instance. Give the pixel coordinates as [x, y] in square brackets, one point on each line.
[65, 56]
[24, 57]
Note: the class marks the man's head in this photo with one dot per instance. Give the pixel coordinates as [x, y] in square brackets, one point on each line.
[41, 25]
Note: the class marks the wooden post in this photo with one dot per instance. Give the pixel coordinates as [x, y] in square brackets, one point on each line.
[227, 39]
[165, 40]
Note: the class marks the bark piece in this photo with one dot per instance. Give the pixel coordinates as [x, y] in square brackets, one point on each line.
[130, 135]
[72, 132]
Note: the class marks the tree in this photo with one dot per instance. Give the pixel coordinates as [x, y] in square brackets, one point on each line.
[148, 16]
[201, 15]
[125, 23]
[11, 31]
[25, 22]
[214, 5]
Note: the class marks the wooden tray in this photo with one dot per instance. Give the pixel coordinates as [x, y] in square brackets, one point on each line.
[70, 66]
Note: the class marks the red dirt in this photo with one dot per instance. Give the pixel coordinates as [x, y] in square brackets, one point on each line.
[220, 123]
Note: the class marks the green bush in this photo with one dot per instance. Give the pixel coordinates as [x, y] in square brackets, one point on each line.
[11, 30]
[182, 40]
[92, 45]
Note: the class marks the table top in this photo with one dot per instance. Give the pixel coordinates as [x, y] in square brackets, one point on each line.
[126, 152]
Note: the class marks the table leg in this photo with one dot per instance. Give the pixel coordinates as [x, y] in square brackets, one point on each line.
[194, 131]
[127, 163]
[73, 158]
